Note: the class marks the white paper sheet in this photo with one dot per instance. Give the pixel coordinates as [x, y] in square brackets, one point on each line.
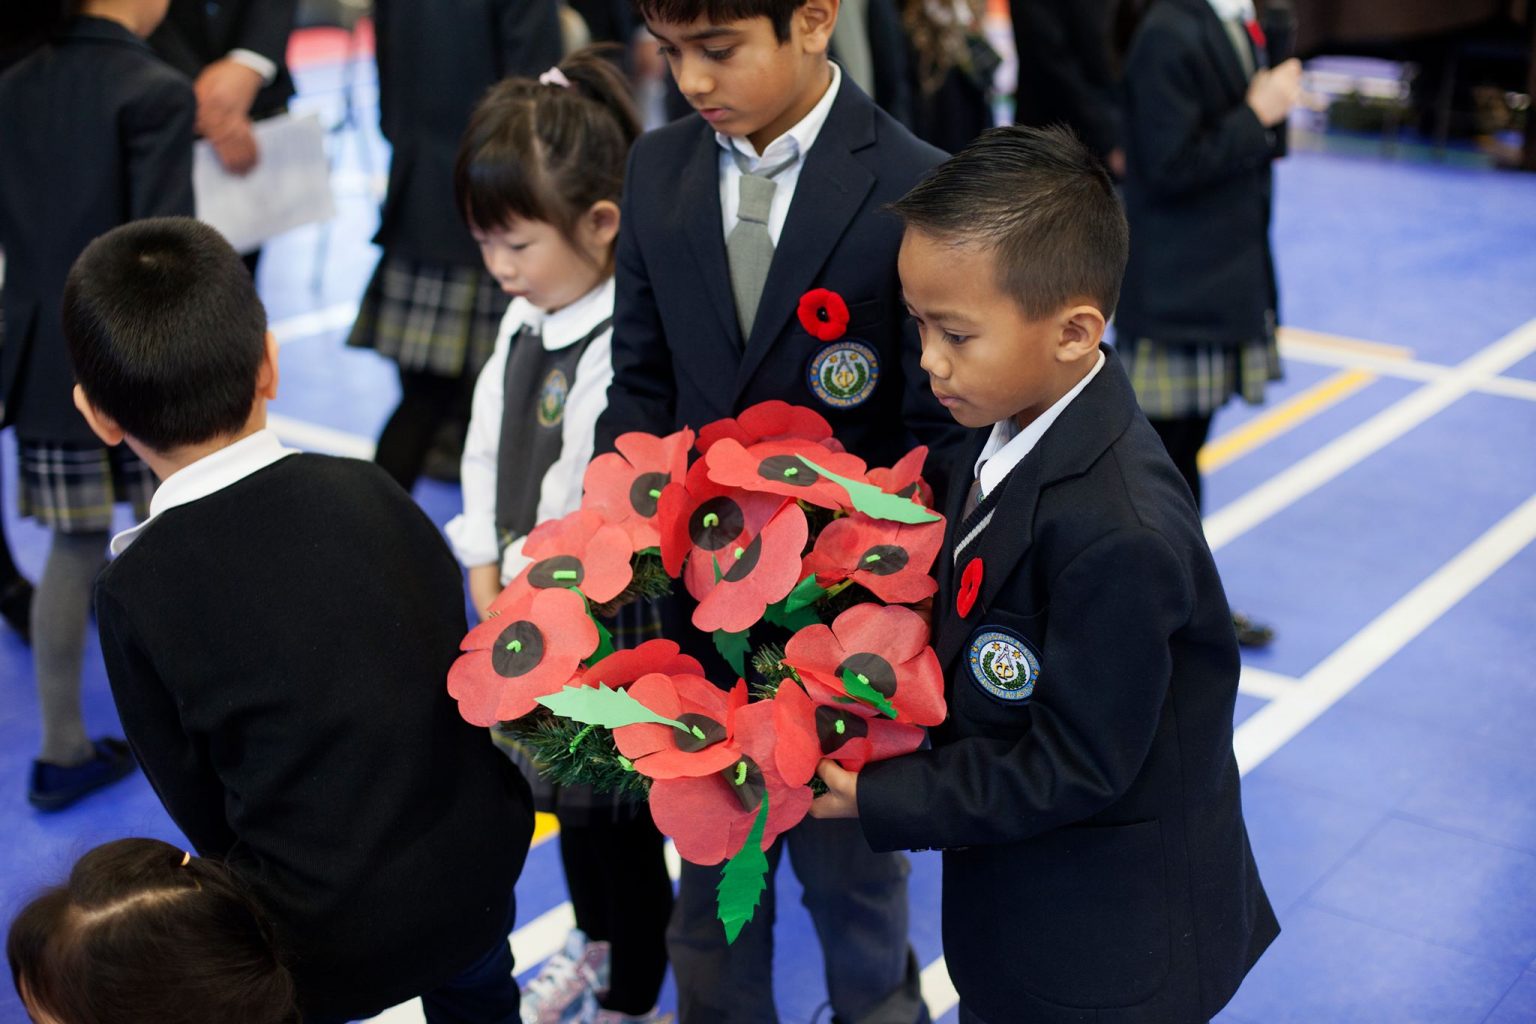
[288, 188]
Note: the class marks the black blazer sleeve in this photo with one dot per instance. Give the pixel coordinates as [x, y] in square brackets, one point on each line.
[1182, 150]
[888, 49]
[264, 28]
[1067, 44]
[643, 395]
[1113, 608]
[177, 765]
[530, 36]
[158, 162]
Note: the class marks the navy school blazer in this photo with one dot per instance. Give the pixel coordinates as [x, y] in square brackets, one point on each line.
[678, 355]
[1096, 865]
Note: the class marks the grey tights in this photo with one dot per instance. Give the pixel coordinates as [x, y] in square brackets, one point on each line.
[60, 612]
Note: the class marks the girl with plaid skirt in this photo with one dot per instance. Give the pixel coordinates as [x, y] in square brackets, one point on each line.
[98, 132]
[1196, 320]
[431, 307]
[538, 180]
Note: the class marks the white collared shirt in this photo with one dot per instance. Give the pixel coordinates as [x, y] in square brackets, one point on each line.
[472, 534]
[798, 140]
[209, 474]
[1008, 444]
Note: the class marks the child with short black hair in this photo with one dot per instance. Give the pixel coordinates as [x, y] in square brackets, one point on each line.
[538, 179]
[1083, 788]
[143, 931]
[277, 635]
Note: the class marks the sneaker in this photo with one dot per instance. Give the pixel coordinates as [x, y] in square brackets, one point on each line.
[54, 787]
[564, 992]
[615, 1017]
[1250, 633]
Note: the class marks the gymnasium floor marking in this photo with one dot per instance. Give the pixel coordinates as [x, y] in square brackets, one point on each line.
[1297, 409]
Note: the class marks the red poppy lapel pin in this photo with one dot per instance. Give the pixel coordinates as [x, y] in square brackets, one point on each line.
[970, 587]
[823, 314]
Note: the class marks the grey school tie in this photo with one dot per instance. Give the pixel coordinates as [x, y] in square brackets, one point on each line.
[749, 247]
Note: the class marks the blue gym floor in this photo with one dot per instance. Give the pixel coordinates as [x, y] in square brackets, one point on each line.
[1379, 510]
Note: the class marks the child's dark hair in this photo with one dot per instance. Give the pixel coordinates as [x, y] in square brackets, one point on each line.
[165, 330]
[547, 151]
[135, 934]
[1043, 203]
[718, 12]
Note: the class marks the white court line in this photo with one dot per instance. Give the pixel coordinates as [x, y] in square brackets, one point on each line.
[1350, 449]
[1274, 725]
[307, 325]
[1258, 682]
[1404, 369]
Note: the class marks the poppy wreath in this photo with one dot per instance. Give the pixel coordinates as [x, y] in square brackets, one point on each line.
[799, 562]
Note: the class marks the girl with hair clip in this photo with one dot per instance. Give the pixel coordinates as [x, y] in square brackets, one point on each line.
[142, 931]
[538, 180]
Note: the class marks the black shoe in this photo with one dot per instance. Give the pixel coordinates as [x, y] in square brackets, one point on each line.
[54, 787]
[1251, 633]
[16, 607]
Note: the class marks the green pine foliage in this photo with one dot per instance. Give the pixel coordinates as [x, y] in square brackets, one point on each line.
[568, 753]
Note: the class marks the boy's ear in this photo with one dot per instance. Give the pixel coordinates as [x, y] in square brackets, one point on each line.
[102, 425]
[816, 18]
[1082, 328]
[266, 373]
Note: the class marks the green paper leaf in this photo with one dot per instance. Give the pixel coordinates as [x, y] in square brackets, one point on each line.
[795, 620]
[733, 647]
[598, 705]
[743, 879]
[604, 640]
[874, 502]
[861, 690]
[806, 593]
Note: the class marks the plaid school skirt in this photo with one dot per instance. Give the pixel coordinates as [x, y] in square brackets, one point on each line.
[72, 488]
[631, 626]
[1176, 381]
[430, 317]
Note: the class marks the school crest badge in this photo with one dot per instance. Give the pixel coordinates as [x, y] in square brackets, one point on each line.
[844, 374]
[1004, 664]
[551, 403]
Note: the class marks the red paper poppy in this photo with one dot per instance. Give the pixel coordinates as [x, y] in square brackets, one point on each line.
[578, 550]
[702, 521]
[888, 646]
[776, 467]
[624, 666]
[970, 587]
[823, 314]
[906, 477]
[755, 574]
[890, 560]
[711, 817]
[625, 486]
[530, 650]
[773, 420]
[666, 752]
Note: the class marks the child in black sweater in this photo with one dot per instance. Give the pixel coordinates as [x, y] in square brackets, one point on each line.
[277, 638]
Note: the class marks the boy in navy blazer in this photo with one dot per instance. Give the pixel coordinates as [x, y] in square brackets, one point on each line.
[1083, 788]
[705, 325]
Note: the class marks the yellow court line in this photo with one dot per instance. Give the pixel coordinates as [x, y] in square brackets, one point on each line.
[1263, 429]
[1317, 339]
[545, 826]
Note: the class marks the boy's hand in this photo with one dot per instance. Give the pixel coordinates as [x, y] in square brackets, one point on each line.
[841, 800]
[484, 586]
[1274, 91]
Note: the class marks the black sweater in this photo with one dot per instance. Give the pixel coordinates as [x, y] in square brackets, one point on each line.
[278, 651]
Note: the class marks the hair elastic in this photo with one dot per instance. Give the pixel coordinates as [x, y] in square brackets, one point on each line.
[554, 76]
[186, 858]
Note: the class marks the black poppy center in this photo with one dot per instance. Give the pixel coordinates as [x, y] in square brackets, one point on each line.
[518, 650]
[835, 727]
[746, 780]
[716, 523]
[787, 469]
[691, 741]
[877, 672]
[646, 491]
[884, 559]
[559, 571]
[744, 563]
[822, 315]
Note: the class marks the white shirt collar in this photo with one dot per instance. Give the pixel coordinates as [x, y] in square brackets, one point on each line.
[798, 140]
[1008, 444]
[568, 325]
[207, 475]
[1233, 10]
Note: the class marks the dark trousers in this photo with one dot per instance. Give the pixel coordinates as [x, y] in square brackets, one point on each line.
[426, 402]
[1184, 437]
[858, 904]
[622, 895]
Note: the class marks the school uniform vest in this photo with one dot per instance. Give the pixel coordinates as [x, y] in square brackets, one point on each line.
[533, 409]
